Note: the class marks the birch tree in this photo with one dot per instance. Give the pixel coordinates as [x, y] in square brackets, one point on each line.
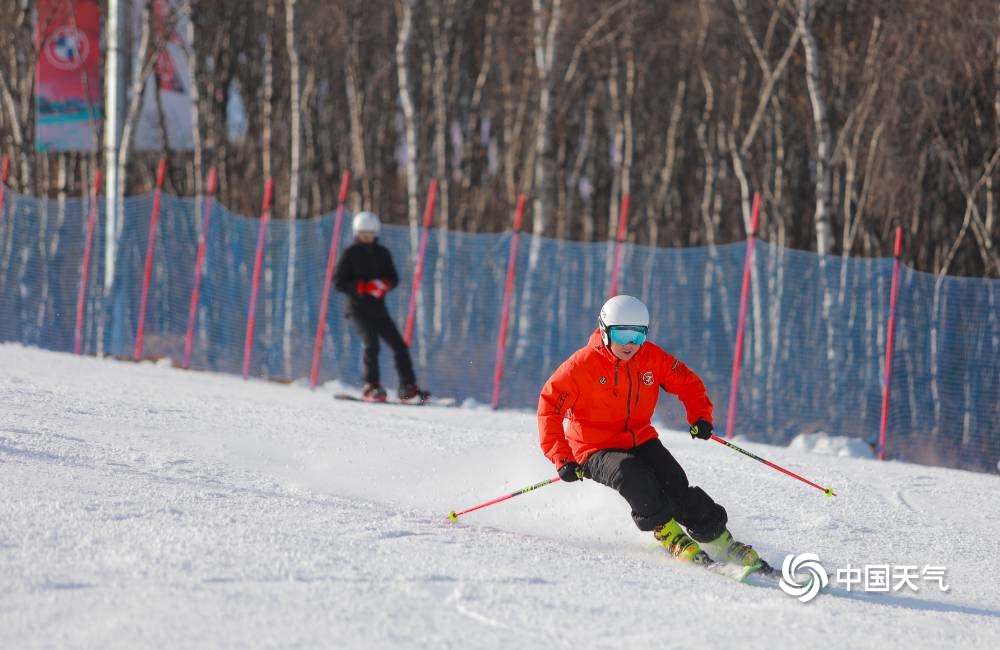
[821, 126]
[404, 12]
[294, 181]
[546, 16]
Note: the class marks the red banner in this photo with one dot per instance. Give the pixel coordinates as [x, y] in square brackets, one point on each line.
[68, 75]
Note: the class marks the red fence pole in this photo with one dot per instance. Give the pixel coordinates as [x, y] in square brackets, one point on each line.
[4, 175]
[198, 264]
[419, 272]
[507, 291]
[894, 292]
[619, 246]
[331, 261]
[257, 264]
[161, 171]
[81, 295]
[738, 355]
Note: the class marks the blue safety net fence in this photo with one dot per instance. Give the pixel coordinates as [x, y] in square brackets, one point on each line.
[814, 348]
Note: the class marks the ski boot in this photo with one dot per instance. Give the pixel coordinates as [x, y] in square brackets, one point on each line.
[726, 549]
[412, 394]
[373, 393]
[679, 544]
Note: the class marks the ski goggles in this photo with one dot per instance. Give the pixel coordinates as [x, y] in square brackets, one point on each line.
[627, 334]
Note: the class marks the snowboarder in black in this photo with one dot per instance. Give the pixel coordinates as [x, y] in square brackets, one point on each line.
[365, 273]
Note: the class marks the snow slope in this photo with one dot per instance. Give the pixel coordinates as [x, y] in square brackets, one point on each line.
[143, 506]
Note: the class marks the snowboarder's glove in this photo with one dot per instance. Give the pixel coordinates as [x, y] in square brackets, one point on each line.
[570, 472]
[375, 288]
[702, 429]
[378, 288]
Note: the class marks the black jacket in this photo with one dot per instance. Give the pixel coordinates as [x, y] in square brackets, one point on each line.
[361, 263]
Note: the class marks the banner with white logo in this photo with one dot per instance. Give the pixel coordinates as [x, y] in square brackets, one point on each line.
[68, 86]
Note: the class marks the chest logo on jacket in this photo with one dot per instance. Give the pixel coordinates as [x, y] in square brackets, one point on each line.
[603, 380]
[647, 378]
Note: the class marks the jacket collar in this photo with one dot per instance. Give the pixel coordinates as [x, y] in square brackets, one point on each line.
[597, 343]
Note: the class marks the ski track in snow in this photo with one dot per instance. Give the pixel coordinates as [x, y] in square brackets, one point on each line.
[142, 506]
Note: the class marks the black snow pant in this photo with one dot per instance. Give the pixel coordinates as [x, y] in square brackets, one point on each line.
[657, 489]
[372, 325]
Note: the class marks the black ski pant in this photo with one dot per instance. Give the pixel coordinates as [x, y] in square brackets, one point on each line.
[373, 326]
[657, 489]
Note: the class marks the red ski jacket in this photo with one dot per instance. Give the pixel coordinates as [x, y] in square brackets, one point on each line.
[609, 403]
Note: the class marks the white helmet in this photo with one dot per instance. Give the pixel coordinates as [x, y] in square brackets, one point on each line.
[622, 310]
[366, 222]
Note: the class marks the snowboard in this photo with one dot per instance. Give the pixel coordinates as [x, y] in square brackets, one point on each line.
[430, 401]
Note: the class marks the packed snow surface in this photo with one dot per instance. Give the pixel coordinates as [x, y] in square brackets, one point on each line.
[143, 506]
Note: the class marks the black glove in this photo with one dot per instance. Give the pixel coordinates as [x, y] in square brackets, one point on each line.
[570, 472]
[702, 429]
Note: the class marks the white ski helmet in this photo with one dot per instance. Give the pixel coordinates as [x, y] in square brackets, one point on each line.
[366, 222]
[622, 310]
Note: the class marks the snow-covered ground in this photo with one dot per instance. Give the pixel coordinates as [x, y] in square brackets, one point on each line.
[147, 507]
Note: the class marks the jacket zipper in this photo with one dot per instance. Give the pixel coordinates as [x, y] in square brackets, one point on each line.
[628, 399]
[628, 405]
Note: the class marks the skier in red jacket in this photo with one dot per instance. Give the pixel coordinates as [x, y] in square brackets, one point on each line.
[607, 392]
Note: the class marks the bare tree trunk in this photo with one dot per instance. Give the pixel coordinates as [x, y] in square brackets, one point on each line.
[822, 188]
[267, 109]
[709, 173]
[355, 113]
[776, 269]
[628, 132]
[17, 133]
[771, 76]
[23, 79]
[472, 165]
[821, 124]
[43, 233]
[616, 127]
[313, 201]
[441, 23]
[544, 35]
[405, 15]
[545, 49]
[199, 154]
[147, 58]
[704, 140]
[666, 174]
[294, 182]
[576, 185]
[857, 121]
[972, 219]
[991, 208]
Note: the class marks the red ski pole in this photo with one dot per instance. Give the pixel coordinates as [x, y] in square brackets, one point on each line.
[894, 293]
[154, 218]
[199, 263]
[4, 175]
[419, 272]
[255, 286]
[828, 491]
[81, 296]
[619, 245]
[738, 354]
[549, 481]
[331, 261]
[505, 312]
